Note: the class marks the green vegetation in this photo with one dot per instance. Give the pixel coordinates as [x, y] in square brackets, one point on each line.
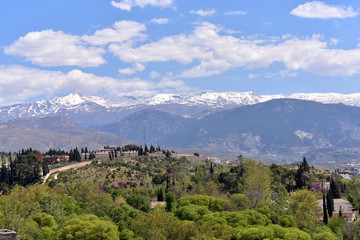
[115, 198]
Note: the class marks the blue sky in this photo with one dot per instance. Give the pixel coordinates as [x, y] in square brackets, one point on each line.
[143, 47]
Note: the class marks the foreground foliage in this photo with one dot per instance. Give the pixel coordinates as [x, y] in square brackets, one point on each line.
[200, 200]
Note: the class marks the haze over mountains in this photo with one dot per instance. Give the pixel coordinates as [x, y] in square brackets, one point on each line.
[267, 127]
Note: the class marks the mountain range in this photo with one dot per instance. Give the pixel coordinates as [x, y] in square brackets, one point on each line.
[267, 127]
[90, 111]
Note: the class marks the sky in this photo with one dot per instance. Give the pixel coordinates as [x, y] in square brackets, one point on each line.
[111, 48]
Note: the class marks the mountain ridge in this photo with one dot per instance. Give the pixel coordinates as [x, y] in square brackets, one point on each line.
[90, 111]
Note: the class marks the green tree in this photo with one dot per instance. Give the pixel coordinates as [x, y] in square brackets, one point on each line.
[87, 227]
[304, 206]
[170, 201]
[139, 202]
[256, 183]
[159, 225]
[302, 177]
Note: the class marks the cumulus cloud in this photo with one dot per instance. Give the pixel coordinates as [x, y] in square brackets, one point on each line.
[35, 83]
[137, 67]
[51, 48]
[204, 13]
[122, 31]
[216, 53]
[160, 20]
[127, 5]
[236, 13]
[55, 48]
[317, 9]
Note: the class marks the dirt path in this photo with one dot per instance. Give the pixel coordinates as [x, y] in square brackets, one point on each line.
[61, 169]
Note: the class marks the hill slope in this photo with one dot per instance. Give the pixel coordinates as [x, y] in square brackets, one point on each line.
[52, 132]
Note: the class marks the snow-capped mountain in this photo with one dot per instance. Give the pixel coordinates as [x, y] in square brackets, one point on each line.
[93, 110]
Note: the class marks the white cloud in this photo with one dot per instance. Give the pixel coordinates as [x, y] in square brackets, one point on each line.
[160, 20]
[127, 5]
[137, 67]
[50, 48]
[127, 71]
[122, 31]
[236, 13]
[317, 9]
[217, 53]
[204, 13]
[35, 83]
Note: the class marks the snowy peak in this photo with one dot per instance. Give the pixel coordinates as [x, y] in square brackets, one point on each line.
[211, 99]
[100, 108]
[228, 98]
[331, 98]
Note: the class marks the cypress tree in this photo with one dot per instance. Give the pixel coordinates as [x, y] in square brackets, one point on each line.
[302, 174]
[45, 168]
[160, 195]
[330, 203]
[324, 210]
[340, 212]
[335, 187]
[77, 155]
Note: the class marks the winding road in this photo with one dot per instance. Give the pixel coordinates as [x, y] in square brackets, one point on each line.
[61, 169]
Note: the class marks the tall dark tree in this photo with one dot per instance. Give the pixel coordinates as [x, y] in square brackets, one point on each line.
[340, 212]
[77, 155]
[140, 151]
[329, 203]
[45, 168]
[324, 210]
[211, 168]
[160, 195]
[4, 173]
[335, 186]
[302, 177]
[71, 155]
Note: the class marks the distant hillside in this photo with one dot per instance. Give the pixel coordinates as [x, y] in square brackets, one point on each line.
[280, 130]
[283, 129]
[53, 132]
[149, 123]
